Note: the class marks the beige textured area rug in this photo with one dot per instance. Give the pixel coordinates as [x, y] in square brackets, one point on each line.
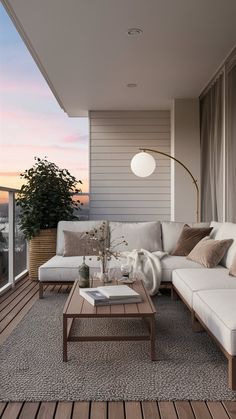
[189, 365]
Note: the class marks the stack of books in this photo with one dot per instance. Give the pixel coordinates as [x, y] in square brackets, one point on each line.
[112, 294]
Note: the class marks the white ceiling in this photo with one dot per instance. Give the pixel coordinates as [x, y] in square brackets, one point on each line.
[87, 58]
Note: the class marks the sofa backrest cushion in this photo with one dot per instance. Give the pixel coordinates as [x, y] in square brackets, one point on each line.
[216, 226]
[227, 231]
[138, 236]
[79, 226]
[171, 231]
[232, 270]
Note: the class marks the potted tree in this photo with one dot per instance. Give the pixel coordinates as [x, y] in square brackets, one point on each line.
[44, 200]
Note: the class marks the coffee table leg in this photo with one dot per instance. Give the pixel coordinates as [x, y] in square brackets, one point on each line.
[152, 338]
[64, 338]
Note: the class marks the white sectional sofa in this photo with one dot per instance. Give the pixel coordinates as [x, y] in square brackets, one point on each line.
[210, 294]
[151, 236]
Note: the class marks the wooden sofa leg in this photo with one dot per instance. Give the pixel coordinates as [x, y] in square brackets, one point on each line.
[40, 290]
[196, 325]
[232, 372]
[174, 295]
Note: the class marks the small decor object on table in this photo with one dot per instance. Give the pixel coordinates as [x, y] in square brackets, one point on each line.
[126, 272]
[105, 253]
[84, 275]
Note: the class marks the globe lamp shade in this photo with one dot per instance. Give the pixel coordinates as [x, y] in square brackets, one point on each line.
[143, 164]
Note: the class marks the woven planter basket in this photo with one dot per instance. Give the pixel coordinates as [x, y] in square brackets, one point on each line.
[41, 248]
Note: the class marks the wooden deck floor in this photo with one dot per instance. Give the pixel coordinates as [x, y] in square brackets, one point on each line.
[118, 410]
[13, 307]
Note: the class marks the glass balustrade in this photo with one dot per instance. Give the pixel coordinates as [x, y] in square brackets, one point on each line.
[4, 230]
[13, 246]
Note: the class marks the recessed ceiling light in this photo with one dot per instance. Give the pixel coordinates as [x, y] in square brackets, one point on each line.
[131, 85]
[134, 32]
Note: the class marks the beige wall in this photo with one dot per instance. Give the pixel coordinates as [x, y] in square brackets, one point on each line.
[185, 145]
[115, 192]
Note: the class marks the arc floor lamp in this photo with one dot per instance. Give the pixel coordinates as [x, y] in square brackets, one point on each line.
[143, 164]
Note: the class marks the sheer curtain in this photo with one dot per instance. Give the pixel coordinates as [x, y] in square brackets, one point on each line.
[231, 144]
[211, 129]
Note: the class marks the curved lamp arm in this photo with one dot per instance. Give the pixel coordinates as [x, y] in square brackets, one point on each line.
[187, 170]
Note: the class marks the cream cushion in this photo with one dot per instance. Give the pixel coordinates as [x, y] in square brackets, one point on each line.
[216, 308]
[190, 281]
[79, 226]
[227, 231]
[170, 263]
[209, 252]
[60, 268]
[232, 270]
[138, 235]
[171, 231]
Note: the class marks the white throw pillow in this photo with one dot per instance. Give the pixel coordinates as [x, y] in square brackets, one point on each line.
[227, 231]
[138, 236]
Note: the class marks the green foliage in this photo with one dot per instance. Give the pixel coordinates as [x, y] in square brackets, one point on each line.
[46, 198]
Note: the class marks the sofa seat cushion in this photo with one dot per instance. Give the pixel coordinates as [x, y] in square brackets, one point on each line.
[216, 309]
[189, 281]
[170, 263]
[60, 268]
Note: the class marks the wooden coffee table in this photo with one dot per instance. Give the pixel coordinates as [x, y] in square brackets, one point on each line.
[77, 307]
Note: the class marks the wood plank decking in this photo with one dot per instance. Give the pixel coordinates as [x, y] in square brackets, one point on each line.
[118, 410]
[15, 304]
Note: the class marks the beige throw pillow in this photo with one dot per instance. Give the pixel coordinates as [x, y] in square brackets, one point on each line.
[232, 270]
[79, 244]
[209, 252]
[188, 239]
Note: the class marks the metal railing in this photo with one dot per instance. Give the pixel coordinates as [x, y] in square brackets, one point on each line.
[13, 246]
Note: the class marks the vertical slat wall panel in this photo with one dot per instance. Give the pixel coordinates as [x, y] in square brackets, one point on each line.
[115, 192]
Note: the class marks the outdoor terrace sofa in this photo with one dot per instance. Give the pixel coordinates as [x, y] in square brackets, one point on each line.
[210, 294]
[151, 236]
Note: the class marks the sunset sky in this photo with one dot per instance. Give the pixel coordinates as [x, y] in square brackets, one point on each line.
[31, 121]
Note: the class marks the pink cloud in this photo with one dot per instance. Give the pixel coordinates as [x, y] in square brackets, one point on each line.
[70, 139]
[19, 86]
[39, 133]
[75, 139]
[11, 115]
[22, 157]
[9, 174]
